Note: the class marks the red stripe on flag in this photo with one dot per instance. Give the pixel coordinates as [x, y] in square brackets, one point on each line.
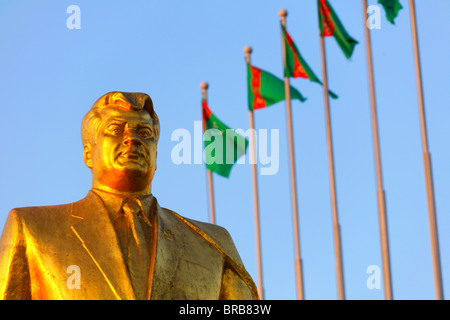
[206, 113]
[299, 71]
[328, 25]
[258, 100]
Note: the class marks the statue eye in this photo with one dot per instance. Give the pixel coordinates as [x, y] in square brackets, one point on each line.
[145, 133]
[115, 129]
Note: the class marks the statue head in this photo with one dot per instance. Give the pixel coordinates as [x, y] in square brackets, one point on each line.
[120, 135]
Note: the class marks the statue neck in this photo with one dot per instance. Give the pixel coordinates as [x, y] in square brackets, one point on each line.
[123, 193]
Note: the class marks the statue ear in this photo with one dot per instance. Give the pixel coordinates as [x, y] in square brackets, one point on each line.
[87, 155]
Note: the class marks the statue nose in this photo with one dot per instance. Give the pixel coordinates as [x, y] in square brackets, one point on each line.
[131, 138]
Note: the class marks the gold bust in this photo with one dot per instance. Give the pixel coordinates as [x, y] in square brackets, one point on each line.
[118, 242]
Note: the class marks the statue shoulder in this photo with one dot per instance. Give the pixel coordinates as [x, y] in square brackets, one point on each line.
[221, 239]
[27, 213]
[32, 222]
[49, 211]
[44, 216]
[221, 236]
[218, 236]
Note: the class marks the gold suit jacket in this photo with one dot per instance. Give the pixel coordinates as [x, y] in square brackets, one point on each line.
[190, 260]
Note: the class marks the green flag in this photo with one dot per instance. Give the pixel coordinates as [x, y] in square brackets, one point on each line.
[295, 66]
[223, 146]
[330, 25]
[265, 89]
[392, 7]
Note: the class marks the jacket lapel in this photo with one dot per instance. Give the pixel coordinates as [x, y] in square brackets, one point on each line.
[93, 228]
[187, 265]
[168, 251]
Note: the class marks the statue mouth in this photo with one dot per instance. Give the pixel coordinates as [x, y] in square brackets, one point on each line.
[131, 155]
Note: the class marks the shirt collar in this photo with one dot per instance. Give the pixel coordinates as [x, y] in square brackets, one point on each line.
[113, 202]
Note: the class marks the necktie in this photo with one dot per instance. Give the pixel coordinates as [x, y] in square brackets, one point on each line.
[137, 253]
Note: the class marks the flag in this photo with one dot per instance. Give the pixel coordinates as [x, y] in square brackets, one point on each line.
[330, 25]
[392, 7]
[222, 146]
[265, 89]
[295, 66]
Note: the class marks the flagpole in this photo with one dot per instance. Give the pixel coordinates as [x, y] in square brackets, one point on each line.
[248, 51]
[336, 226]
[380, 190]
[427, 161]
[298, 260]
[204, 86]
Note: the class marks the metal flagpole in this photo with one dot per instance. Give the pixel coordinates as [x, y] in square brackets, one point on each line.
[336, 226]
[204, 86]
[248, 51]
[298, 260]
[380, 191]
[427, 161]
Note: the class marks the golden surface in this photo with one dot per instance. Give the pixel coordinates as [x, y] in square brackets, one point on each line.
[118, 253]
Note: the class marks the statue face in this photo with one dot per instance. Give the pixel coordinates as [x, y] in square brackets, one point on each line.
[124, 156]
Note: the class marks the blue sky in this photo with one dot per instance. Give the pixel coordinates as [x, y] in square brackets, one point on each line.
[51, 76]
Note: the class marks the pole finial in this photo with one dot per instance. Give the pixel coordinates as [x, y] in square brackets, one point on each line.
[248, 50]
[204, 85]
[282, 13]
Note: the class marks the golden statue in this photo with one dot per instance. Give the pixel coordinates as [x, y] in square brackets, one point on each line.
[117, 242]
